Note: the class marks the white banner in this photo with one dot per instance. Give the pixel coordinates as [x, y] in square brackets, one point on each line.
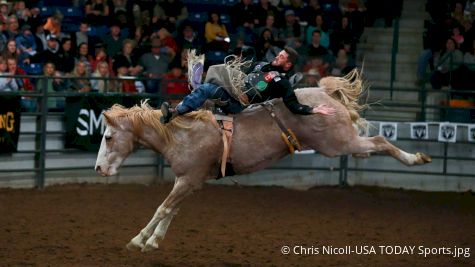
[388, 130]
[447, 132]
[419, 130]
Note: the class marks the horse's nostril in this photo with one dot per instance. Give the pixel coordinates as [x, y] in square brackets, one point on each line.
[98, 168]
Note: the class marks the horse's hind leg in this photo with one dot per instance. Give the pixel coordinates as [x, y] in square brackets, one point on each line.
[363, 145]
[156, 228]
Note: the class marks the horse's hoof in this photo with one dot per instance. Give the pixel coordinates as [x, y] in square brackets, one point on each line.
[133, 247]
[148, 248]
[424, 158]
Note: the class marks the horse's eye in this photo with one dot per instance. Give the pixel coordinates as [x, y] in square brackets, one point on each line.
[108, 137]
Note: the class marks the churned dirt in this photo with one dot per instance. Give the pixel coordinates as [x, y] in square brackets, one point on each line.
[89, 225]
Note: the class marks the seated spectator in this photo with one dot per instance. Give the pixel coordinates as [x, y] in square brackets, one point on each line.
[113, 41]
[298, 6]
[52, 84]
[40, 35]
[169, 13]
[4, 11]
[167, 39]
[188, 39]
[269, 24]
[311, 78]
[457, 36]
[103, 85]
[66, 56]
[264, 9]
[340, 35]
[447, 67]
[11, 50]
[311, 11]
[356, 12]
[324, 36]
[244, 19]
[51, 53]
[128, 58]
[13, 28]
[26, 42]
[21, 11]
[316, 66]
[128, 85]
[82, 36]
[100, 57]
[155, 64]
[458, 14]
[216, 35]
[142, 39]
[343, 63]
[175, 83]
[315, 49]
[7, 84]
[266, 46]
[83, 84]
[97, 11]
[291, 33]
[84, 56]
[24, 84]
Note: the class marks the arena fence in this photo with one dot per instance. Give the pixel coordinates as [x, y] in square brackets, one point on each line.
[446, 155]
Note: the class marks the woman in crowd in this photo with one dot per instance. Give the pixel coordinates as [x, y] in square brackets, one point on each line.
[66, 56]
[52, 84]
[83, 56]
[80, 82]
[216, 35]
[102, 84]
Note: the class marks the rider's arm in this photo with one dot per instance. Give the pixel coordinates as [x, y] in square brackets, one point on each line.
[290, 99]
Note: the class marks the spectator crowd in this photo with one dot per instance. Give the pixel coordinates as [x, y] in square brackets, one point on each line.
[449, 46]
[80, 44]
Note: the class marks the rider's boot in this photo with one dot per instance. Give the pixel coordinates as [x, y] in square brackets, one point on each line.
[168, 113]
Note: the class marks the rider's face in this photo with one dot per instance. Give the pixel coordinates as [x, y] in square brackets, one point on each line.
[281, 59]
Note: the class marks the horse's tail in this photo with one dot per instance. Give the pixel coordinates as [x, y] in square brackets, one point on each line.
[347, 90]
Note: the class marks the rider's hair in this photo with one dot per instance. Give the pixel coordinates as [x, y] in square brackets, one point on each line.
[293, 55]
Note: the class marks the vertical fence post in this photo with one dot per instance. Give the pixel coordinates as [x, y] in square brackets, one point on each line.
[40, 157]
[394, 52]
[343, 181]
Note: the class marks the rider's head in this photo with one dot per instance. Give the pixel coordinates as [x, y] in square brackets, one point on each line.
[286, 59]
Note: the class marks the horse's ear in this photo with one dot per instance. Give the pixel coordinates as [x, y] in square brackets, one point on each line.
[107, 117]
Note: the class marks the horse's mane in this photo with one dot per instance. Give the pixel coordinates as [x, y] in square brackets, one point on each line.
[147, 115]
[347, 90]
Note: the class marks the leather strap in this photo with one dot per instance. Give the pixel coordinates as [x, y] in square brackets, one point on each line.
[290, 139]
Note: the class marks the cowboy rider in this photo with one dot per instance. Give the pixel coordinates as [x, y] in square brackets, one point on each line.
[270, 80]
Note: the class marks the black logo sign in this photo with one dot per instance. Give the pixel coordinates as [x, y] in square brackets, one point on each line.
[448, 131]
[388, 131]
[420, 131]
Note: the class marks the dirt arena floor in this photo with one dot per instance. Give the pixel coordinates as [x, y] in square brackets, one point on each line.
[89, 225]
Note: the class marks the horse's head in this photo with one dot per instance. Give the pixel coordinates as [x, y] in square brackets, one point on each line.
[117, 143]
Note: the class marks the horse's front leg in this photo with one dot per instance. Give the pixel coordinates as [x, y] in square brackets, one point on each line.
[146, 240]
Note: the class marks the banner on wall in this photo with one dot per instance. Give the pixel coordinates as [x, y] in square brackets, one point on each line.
[85, 123]
[420, 131]
[447, 132]
[10, 112]
[388, 130]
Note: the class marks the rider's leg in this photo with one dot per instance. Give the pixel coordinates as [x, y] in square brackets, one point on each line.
[191, 102]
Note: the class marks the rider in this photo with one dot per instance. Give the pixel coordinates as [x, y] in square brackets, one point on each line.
[271, 80]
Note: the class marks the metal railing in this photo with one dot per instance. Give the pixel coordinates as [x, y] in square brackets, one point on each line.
[40, 152]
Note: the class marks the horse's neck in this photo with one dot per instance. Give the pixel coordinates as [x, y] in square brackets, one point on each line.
[150, 139]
